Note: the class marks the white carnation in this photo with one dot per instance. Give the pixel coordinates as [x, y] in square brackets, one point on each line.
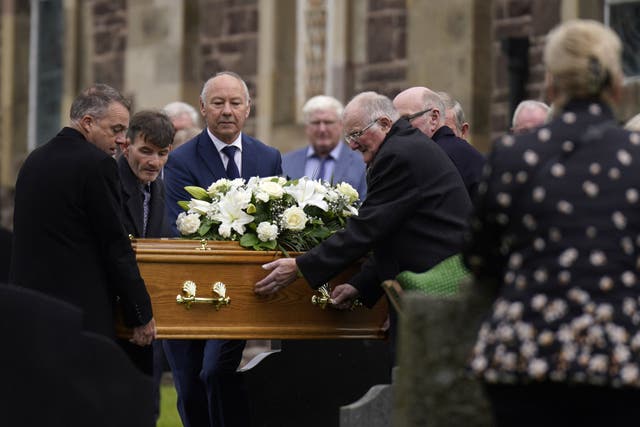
[267, 231]
[188, 223]
[294, 218]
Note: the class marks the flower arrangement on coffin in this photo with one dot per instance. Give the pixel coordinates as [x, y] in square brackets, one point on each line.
[268, 213]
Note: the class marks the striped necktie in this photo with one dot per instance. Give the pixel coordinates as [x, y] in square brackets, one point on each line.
[146, 194]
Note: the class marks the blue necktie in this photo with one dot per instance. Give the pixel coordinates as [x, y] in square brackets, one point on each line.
[232, 169]
[321, 167]
[146, 193]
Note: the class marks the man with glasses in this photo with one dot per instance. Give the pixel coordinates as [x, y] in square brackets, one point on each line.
[413, 217]
[425, 110]
[325, 157]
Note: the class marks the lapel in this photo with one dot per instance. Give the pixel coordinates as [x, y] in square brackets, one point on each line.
[298, 162]
[249, 160]
[131, 198]
[209, 156]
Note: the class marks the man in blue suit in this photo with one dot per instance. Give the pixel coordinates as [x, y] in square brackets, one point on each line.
[210, 392]
[326, 157]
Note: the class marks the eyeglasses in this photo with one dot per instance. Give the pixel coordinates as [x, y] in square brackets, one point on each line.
[410, 117]
[353, 137]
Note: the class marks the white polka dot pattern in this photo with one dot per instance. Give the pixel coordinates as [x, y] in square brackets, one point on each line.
[558, 223]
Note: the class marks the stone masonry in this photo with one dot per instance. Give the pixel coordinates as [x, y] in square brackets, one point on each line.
[519, 18]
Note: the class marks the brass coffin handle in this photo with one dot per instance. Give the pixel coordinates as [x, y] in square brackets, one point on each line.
[324, 298]
[188, 295]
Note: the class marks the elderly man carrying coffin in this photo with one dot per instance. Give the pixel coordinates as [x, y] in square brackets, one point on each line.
[413, 217]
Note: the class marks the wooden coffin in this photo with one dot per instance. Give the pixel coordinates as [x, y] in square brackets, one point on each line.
[296, 312]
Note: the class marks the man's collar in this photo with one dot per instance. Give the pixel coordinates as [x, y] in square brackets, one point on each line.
[220, 145]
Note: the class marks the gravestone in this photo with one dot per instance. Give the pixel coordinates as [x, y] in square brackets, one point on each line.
[55, 374]
[436, 335]
[374, 409]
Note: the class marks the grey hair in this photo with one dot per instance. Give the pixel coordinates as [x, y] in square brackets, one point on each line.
[178, 108]
[95, 101]
[452, 104]
[529, 104]
[226, 73]
[373, 105]
[460, 117]
[321, 102]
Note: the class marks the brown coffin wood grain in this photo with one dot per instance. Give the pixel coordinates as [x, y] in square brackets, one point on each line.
[165, 264]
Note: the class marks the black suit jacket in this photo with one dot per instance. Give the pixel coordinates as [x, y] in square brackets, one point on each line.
[132, 203]
[413, 217]
[69, 241]
[464, 156]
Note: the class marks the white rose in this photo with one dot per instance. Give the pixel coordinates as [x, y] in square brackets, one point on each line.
[273, 189]
[294, 218]
[188, 223]
[348, 191]
[267, 231]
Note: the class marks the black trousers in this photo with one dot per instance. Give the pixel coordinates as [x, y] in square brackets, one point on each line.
[558, 404]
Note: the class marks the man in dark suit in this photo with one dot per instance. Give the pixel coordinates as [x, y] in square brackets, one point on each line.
[413, 217]
[326, 157]
[210, 392]
[425, 110]
[144, 154]
[69, 241]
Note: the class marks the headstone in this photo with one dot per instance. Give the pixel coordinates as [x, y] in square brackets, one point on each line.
[56, 374]
[374, 409]
[436, 335]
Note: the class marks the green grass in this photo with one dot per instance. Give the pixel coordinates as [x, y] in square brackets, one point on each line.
[168, 412]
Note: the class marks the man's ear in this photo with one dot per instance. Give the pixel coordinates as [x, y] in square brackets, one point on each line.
[464, 130]
[87, 122]
[434, 119]
[385, 123]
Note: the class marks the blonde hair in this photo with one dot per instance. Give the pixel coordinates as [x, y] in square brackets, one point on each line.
[583, 59]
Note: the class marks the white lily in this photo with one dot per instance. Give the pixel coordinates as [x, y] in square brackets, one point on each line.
[200, 206]
[305, 193]
[231, 214]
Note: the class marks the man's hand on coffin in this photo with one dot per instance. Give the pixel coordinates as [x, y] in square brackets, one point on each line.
[143, 335]
[284, 271]
[343, 296]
